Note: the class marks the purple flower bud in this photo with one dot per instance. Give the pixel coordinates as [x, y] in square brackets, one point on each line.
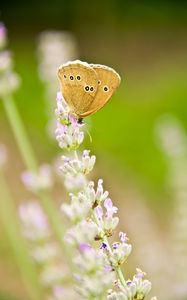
[104, 246]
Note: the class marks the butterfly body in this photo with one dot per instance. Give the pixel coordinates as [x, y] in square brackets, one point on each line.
[85, 87]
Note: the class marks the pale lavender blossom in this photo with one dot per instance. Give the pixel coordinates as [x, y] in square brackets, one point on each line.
[106, 222]
[120, 251]
[78, 209]
[38, 181]
[69, 136]
[68, 131]
[82, 233]
[74, 166]
[9, 80]
[93, 279]
[137, 288]
[75, 183]
[86, 199]
[62, 110]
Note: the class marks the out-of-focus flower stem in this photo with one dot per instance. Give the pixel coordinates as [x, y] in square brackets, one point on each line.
[11, 226]
[19, 132]
[30, 162]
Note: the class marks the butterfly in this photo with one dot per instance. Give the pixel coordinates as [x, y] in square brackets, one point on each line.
[85, 87]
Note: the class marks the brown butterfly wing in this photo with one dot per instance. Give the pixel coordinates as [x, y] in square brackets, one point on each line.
[79, 83]
[108, 81]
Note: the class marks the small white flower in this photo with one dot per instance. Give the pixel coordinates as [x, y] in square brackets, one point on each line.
[75, 183]
[95, 197]
[74, 166]
[120, 253]
[78, 209]
[92, 272]
[143, 287]
[69, 136]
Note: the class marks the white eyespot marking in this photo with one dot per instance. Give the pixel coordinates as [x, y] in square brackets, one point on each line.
[71, 77]
[78, 77]
[91, 89]
[87, 88]
[105, 88]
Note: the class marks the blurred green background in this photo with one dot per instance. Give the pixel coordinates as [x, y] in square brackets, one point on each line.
[146, 42]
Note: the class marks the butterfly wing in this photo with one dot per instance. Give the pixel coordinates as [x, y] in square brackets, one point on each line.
[108, 81]
[79, 83]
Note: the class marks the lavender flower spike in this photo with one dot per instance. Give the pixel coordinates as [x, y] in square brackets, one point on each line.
[93, 220]
[68, 131]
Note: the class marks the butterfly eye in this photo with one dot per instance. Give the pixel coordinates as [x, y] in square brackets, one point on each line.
[78, 77]
[99, 82]
[91, 88]
[105, 88]
[86, 88]
[71, 77]
[65, 76]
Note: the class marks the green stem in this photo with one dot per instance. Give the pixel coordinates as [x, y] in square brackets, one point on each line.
[11, 226]
[121, 276]
[30, 162]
